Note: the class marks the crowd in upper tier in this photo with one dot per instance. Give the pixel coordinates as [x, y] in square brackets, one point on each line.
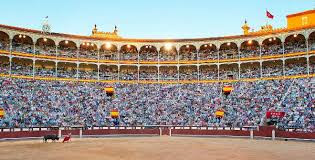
[56, 103]
[270, 69]
[206, 72]
[189, 53]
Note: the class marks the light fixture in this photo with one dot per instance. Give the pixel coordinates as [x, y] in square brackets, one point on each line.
[128, 46]
[168, 46]
[270, 39]
[229, 44]
[83, 44]
[45, 39]
[24, 36]
[187, 46]
[206, 45]
[250, 42]
[66, 42]
[108, 45]
[274, 38]
[295, 35]
[20, 36]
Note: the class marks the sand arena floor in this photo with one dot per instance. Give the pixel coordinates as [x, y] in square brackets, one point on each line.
[158, 148]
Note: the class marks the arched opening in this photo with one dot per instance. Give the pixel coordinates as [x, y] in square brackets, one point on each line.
[229, 71]
[168, 53]
[4, 65]
[67, 70]
[228, 51]
[88, 50]
[208, 72]
[188, 53]
[128, 73]
[45, 46]
[208, 52]
[250, 70]
[272, 68]
[168, 73]
[22, 43]
[108, 72]
[271, 46]
[188, 73]
[311, 42]
[129, 53]
[67, 49]
[250, 49]
[149, 73]
[4, 41]
[88, 71]
[45, 68]
[148, 53]
[22, 66]
[296, 66]
[312, 65]
[108, 52]
[295, 43]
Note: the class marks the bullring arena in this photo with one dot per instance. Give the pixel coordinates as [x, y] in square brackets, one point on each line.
[248, 96]
[172, 143]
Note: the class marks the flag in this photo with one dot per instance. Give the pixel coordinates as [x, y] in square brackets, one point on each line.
[269, 15]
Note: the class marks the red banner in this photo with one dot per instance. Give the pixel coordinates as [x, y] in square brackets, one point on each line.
[273, 114]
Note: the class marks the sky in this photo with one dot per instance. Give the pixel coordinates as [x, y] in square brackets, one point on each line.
[150, 19]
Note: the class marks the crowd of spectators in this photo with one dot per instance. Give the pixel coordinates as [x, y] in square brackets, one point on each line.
[57, 103]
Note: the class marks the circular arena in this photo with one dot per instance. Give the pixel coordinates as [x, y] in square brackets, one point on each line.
[176, 148]
[249, 96]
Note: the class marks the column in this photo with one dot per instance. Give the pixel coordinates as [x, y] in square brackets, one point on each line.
[10, 58]
[10, 70]
[56, 69]
[283, 67]
[118, 72]
[178, 73]
[98, 72]
[239, 70]
[261, 74]
[218, 72]
[158, 67]
[34, 68]
[307, 58]
[138, 72]
[77, 76]
[198, 73]
[260, 50]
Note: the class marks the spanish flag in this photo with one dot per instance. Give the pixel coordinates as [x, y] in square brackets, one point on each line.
[227, 89]
[219, 113]
[2, 113]
[114, 113]
[109, 91]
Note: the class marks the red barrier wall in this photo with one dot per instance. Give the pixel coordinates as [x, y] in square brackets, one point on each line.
[210, 132]
[121, 131]
[263, 132]
[21, 134]
[299, 135]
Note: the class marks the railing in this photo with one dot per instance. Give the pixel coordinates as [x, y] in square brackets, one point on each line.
[287, 55]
